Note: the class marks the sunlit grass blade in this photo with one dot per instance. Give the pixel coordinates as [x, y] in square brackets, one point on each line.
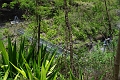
[43, 73]
[16, 76]
[53, 75]
[51, 69]
[6, 75]
[51, 60]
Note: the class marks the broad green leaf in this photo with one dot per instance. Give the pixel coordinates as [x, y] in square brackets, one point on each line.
[30, 52]
[39, 58]
[14, 54]
[10, 54]
[4, 5]
[31, 76]
[20, 71]
[37, 69]
[28, 69]
[10, 49]
[22, 43]
[4, 53]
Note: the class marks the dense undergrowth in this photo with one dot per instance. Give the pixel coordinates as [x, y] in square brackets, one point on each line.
[19, 62]
[20, 59]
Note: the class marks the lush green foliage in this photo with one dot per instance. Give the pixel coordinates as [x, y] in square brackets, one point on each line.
[88, 19]
[23, 63]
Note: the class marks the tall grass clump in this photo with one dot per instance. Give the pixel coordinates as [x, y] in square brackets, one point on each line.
[21, 63]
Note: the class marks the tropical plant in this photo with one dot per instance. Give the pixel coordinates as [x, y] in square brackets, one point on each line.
[23, 62]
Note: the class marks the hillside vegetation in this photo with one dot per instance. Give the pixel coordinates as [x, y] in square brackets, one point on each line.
[86, 30]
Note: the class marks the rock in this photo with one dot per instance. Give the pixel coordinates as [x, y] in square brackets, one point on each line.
[76, 42]
[118, 12]
[100, 37]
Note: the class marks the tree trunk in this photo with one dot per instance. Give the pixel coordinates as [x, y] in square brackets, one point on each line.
[69, 34]
[38, 20]
[108, 18]
[70, 2]
[119, 2]
[117, 61]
